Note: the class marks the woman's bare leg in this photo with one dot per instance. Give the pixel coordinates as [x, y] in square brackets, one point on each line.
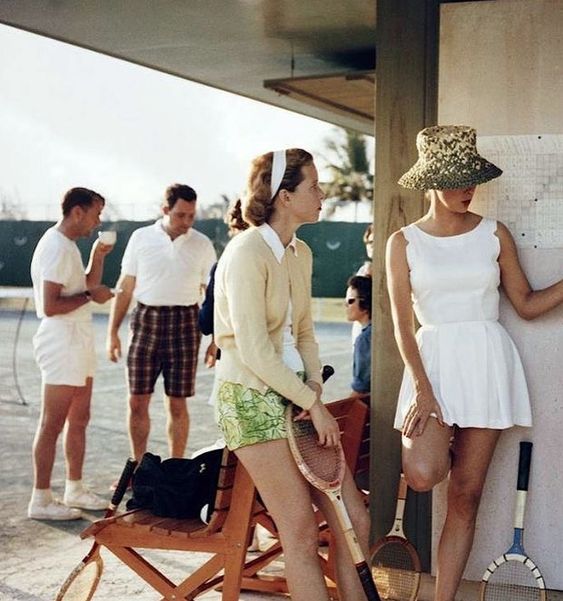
[472, 453]
[348, 583]
[426, 458]
[286, 496]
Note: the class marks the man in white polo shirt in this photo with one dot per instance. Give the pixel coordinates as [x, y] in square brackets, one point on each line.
[165, 268]
[65, 352]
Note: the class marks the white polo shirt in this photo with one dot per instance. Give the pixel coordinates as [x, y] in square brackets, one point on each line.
[57, 259]
[168, 272]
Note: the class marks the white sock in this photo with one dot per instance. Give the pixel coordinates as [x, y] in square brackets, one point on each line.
[73, 487]
[41, 496]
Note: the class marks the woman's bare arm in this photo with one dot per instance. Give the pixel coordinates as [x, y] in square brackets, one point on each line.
[528, 303]
[399, 287]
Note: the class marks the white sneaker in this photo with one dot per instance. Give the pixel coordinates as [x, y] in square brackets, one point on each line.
[54, 510]
[85, 499]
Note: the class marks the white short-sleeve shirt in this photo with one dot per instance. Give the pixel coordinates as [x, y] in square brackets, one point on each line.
[57, 259]
[168, 272]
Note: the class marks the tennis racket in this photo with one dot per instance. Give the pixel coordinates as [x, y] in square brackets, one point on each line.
[514, 576]
[82, 582]
[395, 564]
[324, 468]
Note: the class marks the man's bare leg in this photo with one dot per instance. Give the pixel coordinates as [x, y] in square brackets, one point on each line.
[76, 494]
[55, 407]
[139, 424]
[178, 425]
[75, 430]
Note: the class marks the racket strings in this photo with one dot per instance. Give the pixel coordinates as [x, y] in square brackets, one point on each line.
[325, 463]
[512, 581]
[81, 583]
[394, 571]
[394, 555]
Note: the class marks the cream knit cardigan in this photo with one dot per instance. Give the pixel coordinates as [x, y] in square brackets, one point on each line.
[251, 300]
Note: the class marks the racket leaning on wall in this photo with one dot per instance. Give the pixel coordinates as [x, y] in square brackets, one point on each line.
[324, 468]
[82, 582]
[514, 576]
[395, 564]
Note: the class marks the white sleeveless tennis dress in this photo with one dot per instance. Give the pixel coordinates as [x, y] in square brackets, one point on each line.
[471, 361]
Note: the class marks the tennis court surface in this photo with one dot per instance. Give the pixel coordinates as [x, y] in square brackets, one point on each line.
[36, 557]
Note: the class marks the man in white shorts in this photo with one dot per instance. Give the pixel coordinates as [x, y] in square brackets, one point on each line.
[165, 268]
[65, 351]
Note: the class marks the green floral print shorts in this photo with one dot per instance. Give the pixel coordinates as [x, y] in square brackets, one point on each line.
[247, 416]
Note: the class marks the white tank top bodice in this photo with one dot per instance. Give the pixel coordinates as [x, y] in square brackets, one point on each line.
[472, 364]
[454, 278]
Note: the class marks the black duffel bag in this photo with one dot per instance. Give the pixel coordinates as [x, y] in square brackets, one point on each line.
[176, 488]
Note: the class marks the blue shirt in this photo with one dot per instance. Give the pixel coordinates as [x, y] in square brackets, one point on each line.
[361, 371]
[205, 316]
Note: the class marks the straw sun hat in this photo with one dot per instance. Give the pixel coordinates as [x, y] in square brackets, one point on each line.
[448, 160]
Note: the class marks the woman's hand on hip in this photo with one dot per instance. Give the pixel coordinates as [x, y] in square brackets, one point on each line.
[423, 407]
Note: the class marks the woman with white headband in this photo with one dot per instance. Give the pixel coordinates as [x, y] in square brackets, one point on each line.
[264, 328]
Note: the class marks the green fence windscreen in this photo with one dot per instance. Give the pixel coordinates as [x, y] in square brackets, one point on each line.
[338, 250]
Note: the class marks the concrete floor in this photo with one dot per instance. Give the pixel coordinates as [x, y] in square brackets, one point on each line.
[36, 557]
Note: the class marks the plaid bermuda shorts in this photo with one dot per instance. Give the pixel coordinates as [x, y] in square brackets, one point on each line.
[163, 340]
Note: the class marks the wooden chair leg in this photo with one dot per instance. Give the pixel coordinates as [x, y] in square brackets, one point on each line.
[233, 575]
[201, 580]
[146, 571]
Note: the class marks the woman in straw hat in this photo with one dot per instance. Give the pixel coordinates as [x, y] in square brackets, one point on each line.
[264, 328]
[463, 383]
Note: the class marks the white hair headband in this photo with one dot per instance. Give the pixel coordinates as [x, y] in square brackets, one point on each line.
[278, 170]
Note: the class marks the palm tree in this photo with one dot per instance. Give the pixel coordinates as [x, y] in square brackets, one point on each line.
[349, 167]
[11, 208]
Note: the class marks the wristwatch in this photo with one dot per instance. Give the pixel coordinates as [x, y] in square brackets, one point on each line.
[88, 295]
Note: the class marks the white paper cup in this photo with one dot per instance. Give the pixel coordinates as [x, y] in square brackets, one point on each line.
[108, 237]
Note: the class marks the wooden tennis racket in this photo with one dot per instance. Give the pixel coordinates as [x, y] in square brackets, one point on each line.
[514, 576]
[395, 564]
[324, 468]
[82, 582]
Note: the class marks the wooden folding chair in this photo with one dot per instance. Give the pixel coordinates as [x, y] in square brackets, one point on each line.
[353, 416]
[225, 537]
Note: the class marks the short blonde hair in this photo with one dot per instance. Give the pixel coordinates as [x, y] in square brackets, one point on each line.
[259, 204]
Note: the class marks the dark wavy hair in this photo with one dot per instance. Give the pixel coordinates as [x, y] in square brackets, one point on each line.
[80, 197]
[362, 284]
[175, 192]
[234, 218]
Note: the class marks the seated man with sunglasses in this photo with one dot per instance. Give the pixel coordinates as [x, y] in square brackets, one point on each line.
[358, 308]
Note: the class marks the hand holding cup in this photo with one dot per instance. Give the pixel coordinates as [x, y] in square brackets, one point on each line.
[107, 237]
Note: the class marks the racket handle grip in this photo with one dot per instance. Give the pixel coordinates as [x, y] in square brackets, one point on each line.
[327, 372]
[368, 584]
[524, 465]
[123, 482]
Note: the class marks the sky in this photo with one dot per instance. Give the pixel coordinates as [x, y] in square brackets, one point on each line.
[71, 117]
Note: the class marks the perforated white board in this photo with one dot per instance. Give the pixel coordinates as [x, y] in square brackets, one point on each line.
[528, 197]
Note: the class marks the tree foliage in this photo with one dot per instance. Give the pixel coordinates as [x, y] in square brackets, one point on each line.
[349, 166]
[10, 208]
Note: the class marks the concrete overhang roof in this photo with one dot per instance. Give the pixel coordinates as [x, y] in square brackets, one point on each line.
[315, 57]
